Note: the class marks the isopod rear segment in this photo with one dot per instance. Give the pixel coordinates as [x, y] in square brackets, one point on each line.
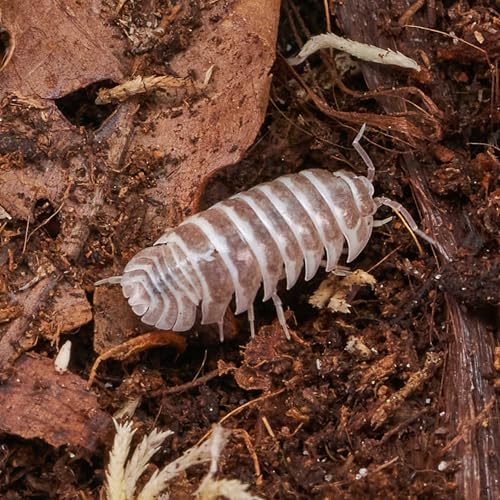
[253, 239]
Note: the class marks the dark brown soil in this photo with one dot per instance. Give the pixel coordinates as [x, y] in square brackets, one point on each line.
[395, 399]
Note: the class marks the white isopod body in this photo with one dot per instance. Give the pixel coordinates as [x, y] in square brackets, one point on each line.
[253, 238]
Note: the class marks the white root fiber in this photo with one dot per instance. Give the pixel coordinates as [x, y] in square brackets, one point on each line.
[360, 50]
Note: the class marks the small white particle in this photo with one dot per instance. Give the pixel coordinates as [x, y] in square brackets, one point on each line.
[442, 414]
[442, 466]
[318, 364]
[428, 401]
[62, 359]
[363, 472]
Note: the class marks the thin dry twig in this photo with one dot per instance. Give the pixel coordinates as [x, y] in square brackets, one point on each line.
[251, 450]
[268, 427]
[395, 122]
[188, 385]
[410, 12]
[466, 427]
[432, 361]
[177, 88]
[383, 259]
[327, 16]
[239, 409]
[453, 37]
[137, 345]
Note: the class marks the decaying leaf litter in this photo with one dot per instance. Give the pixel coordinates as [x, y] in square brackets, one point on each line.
[375, 401]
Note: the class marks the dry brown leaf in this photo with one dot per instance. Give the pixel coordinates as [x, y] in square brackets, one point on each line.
[69, 46]
[217, 130]
[38, 402]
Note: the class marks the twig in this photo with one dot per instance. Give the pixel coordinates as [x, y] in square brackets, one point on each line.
[410, 12]
[175, 87]
[268, 427]
[327, 16]
[137, 345]
[239, 409]
[453, 37]
[119, 6]
[383, 259]
[375, 121]
[251, 450]
[187, 386]
[26, 234]
[432, 361]
[466, 426]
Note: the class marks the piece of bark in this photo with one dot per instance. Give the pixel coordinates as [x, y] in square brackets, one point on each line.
[468, 392]
[38, 402]
[70, 309]
[114, 321]
[14, 340]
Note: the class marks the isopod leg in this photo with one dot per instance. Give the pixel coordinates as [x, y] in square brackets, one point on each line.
[364, 155]
[251, 320]
[383, 222]
[281, 315]
[410, 221]
[220, 324]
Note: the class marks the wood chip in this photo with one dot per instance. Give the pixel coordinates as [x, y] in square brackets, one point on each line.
[38, 402]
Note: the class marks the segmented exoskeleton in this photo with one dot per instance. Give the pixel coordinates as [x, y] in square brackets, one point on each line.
[254, 238]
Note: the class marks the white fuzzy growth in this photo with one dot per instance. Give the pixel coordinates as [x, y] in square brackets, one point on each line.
[227, 488]
[63, 356]
[115, 485]
[217, 443]
[211, 489]
[194, 456]
[360, 50]
[122, 475]
[137, 464]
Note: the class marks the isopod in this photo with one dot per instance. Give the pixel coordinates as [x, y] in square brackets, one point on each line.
[256, 237]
